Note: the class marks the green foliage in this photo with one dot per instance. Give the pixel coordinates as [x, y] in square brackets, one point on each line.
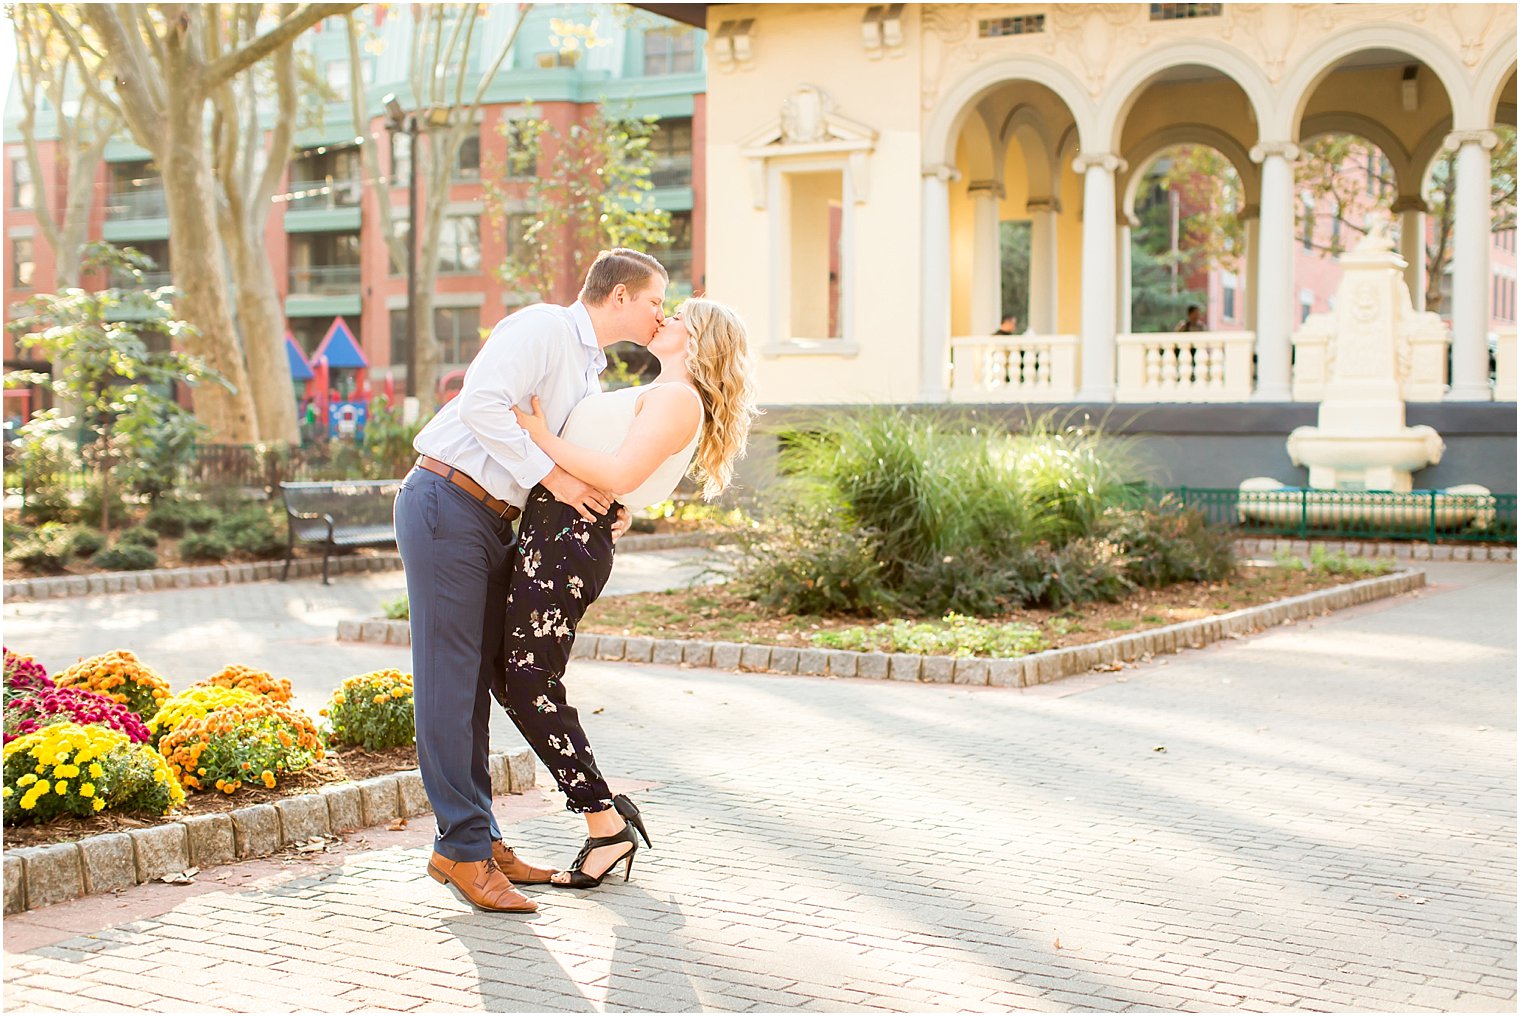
[175, 518]
[388, 441]
[954, 635]
[594, 193]
[102, 363]
[138, 536]
[1014, 241]
[46, 549]
[84, 541]
[1288, 561]
[127, 556]
[251, 530]
[373, 711]
[165, 449]
[46, 457]
[1166, 543]
[204, 547]
[399, 609]
[1158, 300]
[1338, 563]
[810, 557]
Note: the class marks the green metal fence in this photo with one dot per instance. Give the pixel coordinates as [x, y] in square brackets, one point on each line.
[1430, 515]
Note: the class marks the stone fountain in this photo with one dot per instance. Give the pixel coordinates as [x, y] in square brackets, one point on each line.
[1371, 351]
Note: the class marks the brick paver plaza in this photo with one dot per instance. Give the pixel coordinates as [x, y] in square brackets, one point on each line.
[1320, 817]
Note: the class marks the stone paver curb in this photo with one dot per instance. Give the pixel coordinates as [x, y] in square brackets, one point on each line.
[57, 586]
[39, 876]
[1023, 672]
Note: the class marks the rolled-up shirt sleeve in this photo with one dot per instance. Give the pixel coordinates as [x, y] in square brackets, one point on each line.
[509, 368]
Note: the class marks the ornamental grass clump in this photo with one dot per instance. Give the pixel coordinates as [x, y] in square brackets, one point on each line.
[195, 703]
[68, 769]
[31, 713]
[259, 741]
[260, 682]
[373, 711]
[24, 676]
[122, 677]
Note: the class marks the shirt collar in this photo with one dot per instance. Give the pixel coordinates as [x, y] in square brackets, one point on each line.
[587, 334]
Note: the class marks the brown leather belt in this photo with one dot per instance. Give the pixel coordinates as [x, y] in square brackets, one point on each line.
[501, 509]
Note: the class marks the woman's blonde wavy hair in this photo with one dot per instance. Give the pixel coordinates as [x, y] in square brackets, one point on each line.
[720, 368]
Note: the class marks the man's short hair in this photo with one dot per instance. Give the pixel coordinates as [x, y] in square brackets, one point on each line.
[619, 266]
[1193, 306]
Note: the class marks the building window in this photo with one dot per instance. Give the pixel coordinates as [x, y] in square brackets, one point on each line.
[401, 229]
[137, 192]
[669, 51]
[671, 148]
[1022, 24]
[518, 224]
[324, 264]
[816, 205]
[337, 80]
[23, 266]
[522, 149]
[467, 164]
[458, 332]
[1181, 12]
[1229, 286]
[401, 158]
[1305, 304]
[459, 244]
[23, 189]
[676, 255]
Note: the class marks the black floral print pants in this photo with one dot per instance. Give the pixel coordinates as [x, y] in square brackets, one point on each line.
[562, 564]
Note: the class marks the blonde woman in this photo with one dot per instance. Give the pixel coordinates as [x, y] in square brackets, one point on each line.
[640, 441]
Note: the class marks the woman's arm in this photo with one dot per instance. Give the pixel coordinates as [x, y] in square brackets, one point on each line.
[663, 424]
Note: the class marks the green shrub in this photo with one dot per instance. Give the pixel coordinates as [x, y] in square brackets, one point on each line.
[250, 530]
[204, 547]
[398, 609]
[810, 558]
[127, 557]
[1165, 543]
[175, 518]
[46, 550]
[954, 635]
[1339, 563]
[373, 711]
[139, 536]
[88, 511]
[84, 541]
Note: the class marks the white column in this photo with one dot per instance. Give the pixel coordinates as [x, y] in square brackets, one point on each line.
[934, 320]
[1246, 294]
[1044, 266]
[986, 258]
[1099, 288]
[1273, 271]
[1125, 270]
[1469, 266]
[1410, 209]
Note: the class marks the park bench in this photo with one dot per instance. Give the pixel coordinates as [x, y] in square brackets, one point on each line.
[342, 513]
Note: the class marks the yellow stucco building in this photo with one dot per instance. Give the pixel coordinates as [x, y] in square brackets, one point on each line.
[861, 157]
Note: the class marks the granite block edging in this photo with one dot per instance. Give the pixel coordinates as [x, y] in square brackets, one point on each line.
[58, 586]
[38, 876]
[1019, 672]
[1402, 550]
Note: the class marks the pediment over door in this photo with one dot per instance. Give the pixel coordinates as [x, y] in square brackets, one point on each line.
[807, 127]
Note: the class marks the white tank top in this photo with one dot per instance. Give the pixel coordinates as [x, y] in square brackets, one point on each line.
[602, 422]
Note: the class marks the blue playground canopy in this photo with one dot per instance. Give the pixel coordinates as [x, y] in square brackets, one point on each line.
[342, 352]
[300, 370]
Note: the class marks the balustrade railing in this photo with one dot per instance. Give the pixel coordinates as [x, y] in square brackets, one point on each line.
[324, 279]
[1184, 367]
[137, 203]
[317, 195]
[1014, 368]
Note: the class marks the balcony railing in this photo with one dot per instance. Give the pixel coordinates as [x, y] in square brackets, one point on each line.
[671, 171]
[318, 195]
[1014, 368]
[149, 280]
[1184, 367]
[324, 280]
[137, 203]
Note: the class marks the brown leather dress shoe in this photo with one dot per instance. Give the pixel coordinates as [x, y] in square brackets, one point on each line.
[480, 884]
[515, 868]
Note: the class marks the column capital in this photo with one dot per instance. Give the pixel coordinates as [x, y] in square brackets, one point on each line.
[992, 187]
[1409, 203]
[1106, 161]
[1456, 139]
[1263, 150]
[1043, 204]
[943, 172]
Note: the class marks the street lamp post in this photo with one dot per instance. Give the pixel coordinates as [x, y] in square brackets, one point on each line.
[397, 121]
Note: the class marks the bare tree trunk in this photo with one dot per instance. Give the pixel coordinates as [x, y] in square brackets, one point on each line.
[443, 148]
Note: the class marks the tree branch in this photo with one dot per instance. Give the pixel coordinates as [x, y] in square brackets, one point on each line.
[501, 56]
[224, 67]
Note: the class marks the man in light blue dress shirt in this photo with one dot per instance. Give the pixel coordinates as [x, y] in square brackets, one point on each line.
[454, 516]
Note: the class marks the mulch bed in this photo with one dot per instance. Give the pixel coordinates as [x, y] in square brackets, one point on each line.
[337, 767]
[713, 614]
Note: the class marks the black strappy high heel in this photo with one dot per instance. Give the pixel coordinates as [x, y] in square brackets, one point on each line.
[632, 820]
